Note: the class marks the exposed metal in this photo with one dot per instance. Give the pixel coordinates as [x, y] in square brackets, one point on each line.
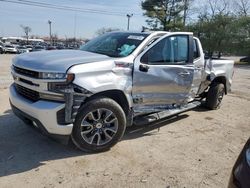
[220, 68]
[166, 113]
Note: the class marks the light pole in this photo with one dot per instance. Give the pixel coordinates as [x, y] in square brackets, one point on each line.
[49, 22]
[129, 16]
[185, 12]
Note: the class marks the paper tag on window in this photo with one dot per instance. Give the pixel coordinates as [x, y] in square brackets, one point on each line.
[135, 37]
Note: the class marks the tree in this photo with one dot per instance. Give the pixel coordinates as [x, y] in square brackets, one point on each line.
[54, 38]
[26, 30]
[217, 7]
[241, 38]
[215, 31]
[189, 9]
[242, 7]
[165, 15]
[221, 29]
[104, 30]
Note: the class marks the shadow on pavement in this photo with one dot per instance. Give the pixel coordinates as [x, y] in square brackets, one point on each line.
[23, 148]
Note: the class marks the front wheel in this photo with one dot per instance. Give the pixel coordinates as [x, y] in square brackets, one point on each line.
[215, 95]
[99, 125]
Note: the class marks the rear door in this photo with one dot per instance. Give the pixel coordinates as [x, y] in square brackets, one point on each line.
[163, 74]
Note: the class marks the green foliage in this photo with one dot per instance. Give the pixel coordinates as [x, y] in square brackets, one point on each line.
[214, 32]
[164, 14]
[221, 28]
[223, 33]
[241, 43]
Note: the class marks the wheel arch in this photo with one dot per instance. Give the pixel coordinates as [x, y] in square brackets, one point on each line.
[220, 79]
[117, 95]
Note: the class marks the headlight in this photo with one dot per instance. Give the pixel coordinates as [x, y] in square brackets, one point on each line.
[48, 75]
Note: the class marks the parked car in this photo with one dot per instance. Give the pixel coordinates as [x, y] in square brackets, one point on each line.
[22, 49]
[29, 47]
[240, 176]
[10, 49]
[245, 59]
[51, 48]
[1, 49]
[116, 80]
[60, 47]
[38, 48]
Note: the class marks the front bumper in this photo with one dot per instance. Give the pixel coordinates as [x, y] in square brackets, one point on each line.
[43, 113]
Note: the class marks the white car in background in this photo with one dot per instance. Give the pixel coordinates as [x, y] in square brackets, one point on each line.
[10, 49]
[1, 49]
[22, 49]
[29, 47]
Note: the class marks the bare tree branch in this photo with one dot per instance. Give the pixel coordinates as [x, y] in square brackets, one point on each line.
[26, 30]
[242, 7]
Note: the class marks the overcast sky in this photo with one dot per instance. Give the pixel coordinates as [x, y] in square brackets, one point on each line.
[63, 22]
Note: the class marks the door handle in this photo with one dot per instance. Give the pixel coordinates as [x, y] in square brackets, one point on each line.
[143, 68]
[184, 73]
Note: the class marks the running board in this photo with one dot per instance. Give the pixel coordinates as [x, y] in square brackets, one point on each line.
[142, 120]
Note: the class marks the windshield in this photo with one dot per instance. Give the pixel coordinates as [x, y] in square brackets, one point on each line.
[115, 44]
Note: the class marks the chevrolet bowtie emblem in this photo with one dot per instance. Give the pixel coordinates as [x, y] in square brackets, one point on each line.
[16, 78]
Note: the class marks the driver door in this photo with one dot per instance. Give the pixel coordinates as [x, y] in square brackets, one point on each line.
[163, 74]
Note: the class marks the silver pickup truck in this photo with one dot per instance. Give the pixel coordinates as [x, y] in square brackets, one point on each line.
[116, 80]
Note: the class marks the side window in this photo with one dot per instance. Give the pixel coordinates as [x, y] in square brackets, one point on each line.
[150, 42]
[171, 50]
[196, 49]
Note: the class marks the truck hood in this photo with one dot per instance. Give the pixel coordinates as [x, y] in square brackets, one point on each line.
[56, 61]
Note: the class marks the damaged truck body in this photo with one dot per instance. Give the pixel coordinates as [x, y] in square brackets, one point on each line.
[116, 80]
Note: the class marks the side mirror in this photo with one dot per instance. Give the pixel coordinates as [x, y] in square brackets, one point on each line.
[206, 55]
[143, 68]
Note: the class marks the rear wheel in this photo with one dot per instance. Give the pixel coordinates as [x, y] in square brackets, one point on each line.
[99, 125]
[215, 95]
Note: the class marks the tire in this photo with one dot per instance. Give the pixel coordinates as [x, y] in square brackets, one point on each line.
[99, 125]
[215, 95]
